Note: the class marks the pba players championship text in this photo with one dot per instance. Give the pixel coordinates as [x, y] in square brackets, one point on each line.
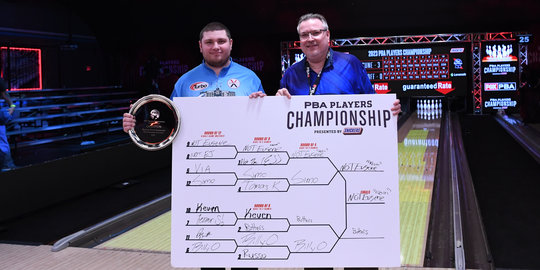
[334, 113]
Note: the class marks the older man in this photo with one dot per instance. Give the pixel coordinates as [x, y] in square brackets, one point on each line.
[324, 71]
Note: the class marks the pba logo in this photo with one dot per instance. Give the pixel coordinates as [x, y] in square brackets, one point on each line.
[198, 86]
[381, 88]
[352, 131]
[500, 86]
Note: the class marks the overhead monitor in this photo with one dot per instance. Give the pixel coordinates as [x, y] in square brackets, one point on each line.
[434, 69]
[500, 75]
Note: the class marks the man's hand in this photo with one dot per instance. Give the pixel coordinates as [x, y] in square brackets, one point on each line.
[128, 122]
[396, 109]
[257, 94]
[283, 92]
[11, 110]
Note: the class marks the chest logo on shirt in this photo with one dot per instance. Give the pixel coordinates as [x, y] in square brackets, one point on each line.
[233, 83]
[198, 86]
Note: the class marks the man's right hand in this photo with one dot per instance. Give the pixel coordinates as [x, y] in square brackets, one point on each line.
[283, 92]
[128, 122]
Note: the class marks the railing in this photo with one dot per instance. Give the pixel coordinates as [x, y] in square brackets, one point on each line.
[50, 115]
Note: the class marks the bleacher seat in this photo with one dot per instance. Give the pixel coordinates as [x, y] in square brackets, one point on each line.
[51, 115]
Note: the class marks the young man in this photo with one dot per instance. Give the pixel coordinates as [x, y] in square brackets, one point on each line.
[324, 71]
[217, 75]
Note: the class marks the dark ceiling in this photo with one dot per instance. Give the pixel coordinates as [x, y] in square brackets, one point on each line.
[148, 21]
[161, 21]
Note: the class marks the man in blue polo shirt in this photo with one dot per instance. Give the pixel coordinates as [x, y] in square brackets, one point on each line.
[217, 75]
[324, 71]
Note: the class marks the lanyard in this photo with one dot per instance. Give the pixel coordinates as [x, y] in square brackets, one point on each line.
[313, 88]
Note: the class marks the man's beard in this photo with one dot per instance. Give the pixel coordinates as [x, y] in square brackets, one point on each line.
[218, 63]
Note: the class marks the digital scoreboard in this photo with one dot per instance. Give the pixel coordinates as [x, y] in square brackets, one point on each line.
[427, 70]
[417, 69]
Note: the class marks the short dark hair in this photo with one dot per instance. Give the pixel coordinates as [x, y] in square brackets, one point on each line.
[215, 26]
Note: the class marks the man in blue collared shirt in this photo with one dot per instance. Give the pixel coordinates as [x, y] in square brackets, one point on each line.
[217, 75]
[324, 71]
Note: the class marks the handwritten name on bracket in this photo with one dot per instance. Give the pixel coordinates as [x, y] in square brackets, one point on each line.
[216, 220]
[262, 148]
[248, 185]
[254, 174]
[259, 239]
[252, 227]
[203, 208]
[247, 254]
[201, 234]
[371, 196]
[368, 166]
[303, 219]
[205, 247]
[303, 245]
[207, 142]
[199, 168]
[309, 153]
[201, 154]
[257, 215]
[264, 160]
[296, 179]
[360, 231]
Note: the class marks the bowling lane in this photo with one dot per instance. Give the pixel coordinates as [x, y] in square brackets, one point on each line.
[152, 236]
[418, 141]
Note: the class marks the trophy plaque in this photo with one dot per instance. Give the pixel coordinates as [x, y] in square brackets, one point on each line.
[157, 122]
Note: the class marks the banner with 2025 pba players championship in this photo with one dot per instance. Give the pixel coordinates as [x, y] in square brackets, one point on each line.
[310, 181]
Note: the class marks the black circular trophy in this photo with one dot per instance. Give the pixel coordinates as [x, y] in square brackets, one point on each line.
[157, 122]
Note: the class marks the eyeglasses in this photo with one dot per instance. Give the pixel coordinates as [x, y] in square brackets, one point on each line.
[314, 34]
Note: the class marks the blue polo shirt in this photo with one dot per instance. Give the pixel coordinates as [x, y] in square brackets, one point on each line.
[233, 80]
[342, 74]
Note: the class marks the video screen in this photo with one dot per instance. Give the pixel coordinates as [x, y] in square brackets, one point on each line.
[500, 75]
[417, 69]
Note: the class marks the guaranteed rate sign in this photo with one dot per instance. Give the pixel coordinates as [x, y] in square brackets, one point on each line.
[310, 181]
